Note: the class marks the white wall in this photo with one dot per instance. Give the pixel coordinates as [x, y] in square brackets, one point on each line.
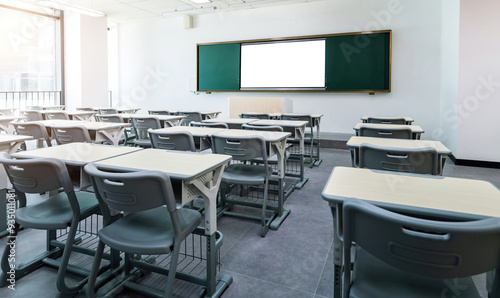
[479, 81]
[157, 58]
[86, 61]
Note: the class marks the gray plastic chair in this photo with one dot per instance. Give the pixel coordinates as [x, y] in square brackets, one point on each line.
[255, 115]
[175, 140]
[245, 148]
[159, 112]
[85, 109]
[141, 126]
[152, 224]
[107, 111]
[65, 134]
[273, 159]
[416, 160]
[33, 115]
[60, 211]
[191, 116]
[402, 256]
[394, 133]
[63, 115]
[33, 129]
[386, 120]
[209, 124]
[308, 135]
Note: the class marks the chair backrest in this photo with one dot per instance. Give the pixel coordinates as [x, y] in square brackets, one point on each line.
[175, 140]
[255, 115]
[120, 192]
[33, 115]
[298, 117]
[191, 116]
[142, 124]
[34, 129]
[107, 111]
[158, 112]
[386, 120]
[109, 118]
[262, 127]
[57, 115]
[35, 108]
[36, 175]
[439, 249]
[240, 148]
[394, 133]
[85, 109]
[65, 134]
[415, 160]
[209, 124]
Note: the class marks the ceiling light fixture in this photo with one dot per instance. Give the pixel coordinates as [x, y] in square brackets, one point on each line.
[71, 7]
[201, 1]
[189, 11]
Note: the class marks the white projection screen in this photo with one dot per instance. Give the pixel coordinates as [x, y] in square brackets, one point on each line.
[287, 65]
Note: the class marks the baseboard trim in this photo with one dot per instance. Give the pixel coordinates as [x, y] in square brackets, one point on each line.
[475, 163]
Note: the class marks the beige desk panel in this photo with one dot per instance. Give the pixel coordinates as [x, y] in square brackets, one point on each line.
[424, 191]
[355, 142]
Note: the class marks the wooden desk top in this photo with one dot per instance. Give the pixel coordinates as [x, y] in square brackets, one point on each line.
[178, 165]
[287, 123]
[194, 130]
[407, 119]
[414, 128]
[9, 118]
[7, 138]
[78, 153]
[423, 194]
[67, 112]
[87, 124]
[269, 136]
[355, 142]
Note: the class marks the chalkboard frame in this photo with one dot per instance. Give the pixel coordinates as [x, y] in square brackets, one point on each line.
[360, 42]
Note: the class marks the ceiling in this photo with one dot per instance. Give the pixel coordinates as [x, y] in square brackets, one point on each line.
[126, 10]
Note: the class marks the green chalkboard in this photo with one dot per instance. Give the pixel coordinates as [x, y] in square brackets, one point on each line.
[357, 62]
[219, 67]
[354, 62]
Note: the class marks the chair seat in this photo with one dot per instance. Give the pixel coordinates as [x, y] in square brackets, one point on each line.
[148, 232]
[374, 278]
[273, 159]
[308, 137]
[246, 174]
[55, 212]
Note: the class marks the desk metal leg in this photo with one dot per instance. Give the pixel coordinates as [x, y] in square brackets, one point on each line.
[337, 254]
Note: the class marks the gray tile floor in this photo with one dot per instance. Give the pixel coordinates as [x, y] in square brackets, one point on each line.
[295, 261]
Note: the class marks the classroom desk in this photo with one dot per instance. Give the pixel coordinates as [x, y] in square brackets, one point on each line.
[202, 133]
[436, 197]
[9, 144]
[408, 120]
[200, 175]
[77, 155]
[297, 129]
[233, 123]
[5, 123]
[355, 142]
[120, 110]
[415, 129]
[174, 119]
[276, 142]
[99, 131]
[73, 115]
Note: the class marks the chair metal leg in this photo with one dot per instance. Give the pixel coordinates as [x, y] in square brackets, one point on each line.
[95, 268]
[63, 288]
[173, 268]
[264, 228]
